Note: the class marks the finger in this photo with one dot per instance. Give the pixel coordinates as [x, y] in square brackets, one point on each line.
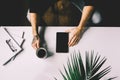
[77, 41]
[70, 38]
[34, 46]
[71, 41]
[74, 42]
[38, 44]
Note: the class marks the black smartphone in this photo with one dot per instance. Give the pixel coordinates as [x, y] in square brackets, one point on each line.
[62, 42]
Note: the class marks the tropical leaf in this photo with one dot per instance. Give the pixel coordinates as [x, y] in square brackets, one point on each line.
[77, 70]
[112, 78]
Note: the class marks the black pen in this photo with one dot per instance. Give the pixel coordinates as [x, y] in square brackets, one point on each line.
[7, 62]
[12, 58]
[23, 34]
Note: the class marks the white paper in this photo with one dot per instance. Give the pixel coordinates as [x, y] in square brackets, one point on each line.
[6, 50]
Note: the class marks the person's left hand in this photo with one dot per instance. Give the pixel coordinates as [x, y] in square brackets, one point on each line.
[74, 36]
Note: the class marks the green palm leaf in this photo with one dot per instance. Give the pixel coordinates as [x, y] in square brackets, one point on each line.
[77, 70]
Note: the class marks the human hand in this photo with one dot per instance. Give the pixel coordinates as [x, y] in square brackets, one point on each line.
[74, 36]
[36, 42]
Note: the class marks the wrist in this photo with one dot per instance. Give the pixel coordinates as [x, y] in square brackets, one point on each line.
[34, 33]
[80, 28]
[34, 30]
[35, 37]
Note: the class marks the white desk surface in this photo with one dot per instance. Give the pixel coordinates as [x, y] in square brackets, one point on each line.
[27, 66]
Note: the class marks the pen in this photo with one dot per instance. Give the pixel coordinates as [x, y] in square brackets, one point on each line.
[12, 58]
[23, 34]
[7, 62]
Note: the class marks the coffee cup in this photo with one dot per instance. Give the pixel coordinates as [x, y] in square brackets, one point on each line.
[41, 53]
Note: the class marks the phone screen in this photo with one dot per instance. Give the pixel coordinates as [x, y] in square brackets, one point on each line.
[62, 42]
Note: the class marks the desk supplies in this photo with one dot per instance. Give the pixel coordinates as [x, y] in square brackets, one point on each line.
[11, 44]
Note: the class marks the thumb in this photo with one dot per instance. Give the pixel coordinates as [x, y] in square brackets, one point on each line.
[38, 44]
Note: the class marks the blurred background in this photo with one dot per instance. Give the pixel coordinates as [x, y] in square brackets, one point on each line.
[15, 12]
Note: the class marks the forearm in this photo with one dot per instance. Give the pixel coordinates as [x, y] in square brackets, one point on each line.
[34, 23]
[87, 11]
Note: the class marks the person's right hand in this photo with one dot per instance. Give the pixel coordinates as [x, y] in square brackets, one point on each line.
[36, 42]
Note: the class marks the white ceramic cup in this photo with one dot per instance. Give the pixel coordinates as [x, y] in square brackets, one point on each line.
[41, 53]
